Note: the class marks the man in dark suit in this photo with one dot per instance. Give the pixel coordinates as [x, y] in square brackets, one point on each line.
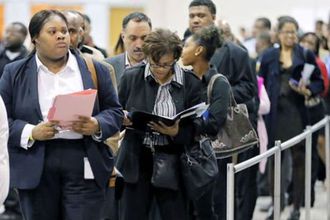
[14, 49]
[232, 61]
[135, 27]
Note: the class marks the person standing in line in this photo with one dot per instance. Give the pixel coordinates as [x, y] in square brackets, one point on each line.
[233, 62]
[59, 174]
[289, 95]
[197, 52]
[14, 37]
[163, 88]
[135, 27]
[14, 50]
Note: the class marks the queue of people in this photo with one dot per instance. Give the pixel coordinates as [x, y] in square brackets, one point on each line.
[68, 174]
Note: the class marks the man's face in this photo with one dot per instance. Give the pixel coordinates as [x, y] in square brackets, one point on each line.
[258, 27]
[199, 17]
[13, 37]
[133, 37]
[309, 42]
[75, 29]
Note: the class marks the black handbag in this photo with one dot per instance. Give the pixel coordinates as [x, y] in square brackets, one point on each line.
[237, 134]
[165, 172]
[199, 168]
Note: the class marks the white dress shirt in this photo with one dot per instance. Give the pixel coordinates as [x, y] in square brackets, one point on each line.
[128, 63]
[4, 163]
[68, 80]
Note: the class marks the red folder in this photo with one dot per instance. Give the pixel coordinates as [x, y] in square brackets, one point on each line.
[66, 108]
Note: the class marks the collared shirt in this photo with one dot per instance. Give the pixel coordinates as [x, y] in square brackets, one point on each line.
[68, 80]
[128, 64]
[164, 105]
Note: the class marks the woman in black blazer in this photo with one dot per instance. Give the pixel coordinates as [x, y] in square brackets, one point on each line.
[160, 87]
[197, 52]
[289, 95]
[59, 173]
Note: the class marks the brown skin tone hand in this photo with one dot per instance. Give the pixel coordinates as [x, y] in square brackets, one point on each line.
[164, 129]
[86, 125]
[44, 130]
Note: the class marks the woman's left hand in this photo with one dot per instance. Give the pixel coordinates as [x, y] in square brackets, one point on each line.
[86, 125]
[301, 89]
[164, 129]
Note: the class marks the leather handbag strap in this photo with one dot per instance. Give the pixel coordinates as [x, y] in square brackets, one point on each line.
[91, 68]
[210, 89]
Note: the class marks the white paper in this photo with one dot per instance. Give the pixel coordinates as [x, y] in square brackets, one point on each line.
[88, 173]
[307, 72]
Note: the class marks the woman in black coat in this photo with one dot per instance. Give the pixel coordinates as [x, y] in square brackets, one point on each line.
[289, 95]
[160, 87]
[197, 52]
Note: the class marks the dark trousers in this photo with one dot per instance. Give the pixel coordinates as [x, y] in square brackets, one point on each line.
[12, 202]
[221, 189]
[137, 198]
[204, 206]
[246, 187]
[63, 193]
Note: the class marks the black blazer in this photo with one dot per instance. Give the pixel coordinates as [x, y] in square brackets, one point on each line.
[138, 93]
[19, 90]
[118, 63]
[219, 103]
[270, 71]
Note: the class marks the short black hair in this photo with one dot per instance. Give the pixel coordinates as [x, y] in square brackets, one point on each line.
[318, 41]
[286, 19]
[137, 17]
[208, 3]
[22, 26]
[210, 38]
[87, 18]
[40, 18]
[266, 22]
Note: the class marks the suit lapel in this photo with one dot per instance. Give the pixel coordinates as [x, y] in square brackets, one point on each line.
[151, 92]
[32, 73]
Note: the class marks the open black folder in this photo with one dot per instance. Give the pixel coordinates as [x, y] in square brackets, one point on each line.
[140, 119]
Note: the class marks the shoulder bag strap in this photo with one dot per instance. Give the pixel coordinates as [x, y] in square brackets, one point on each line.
[91, 68]
[210, 88]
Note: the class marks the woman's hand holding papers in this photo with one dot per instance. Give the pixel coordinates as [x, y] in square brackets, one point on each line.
[86, 125]
[44, 130]
[300, 88]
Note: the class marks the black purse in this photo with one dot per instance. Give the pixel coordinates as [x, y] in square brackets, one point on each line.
[199, 168]
[165, 172]
[237, 134]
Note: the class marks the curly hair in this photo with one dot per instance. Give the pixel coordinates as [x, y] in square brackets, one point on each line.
[160, 42]
[209, 37]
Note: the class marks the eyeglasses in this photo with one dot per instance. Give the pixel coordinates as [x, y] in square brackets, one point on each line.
[165, 66]
[289, 32]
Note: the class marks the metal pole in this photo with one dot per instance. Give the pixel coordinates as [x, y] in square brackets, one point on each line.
[230, 191]
[277, 181]
[327, 156]
[308, 173]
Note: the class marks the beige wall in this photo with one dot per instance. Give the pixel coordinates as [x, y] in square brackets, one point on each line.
[173, 14]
